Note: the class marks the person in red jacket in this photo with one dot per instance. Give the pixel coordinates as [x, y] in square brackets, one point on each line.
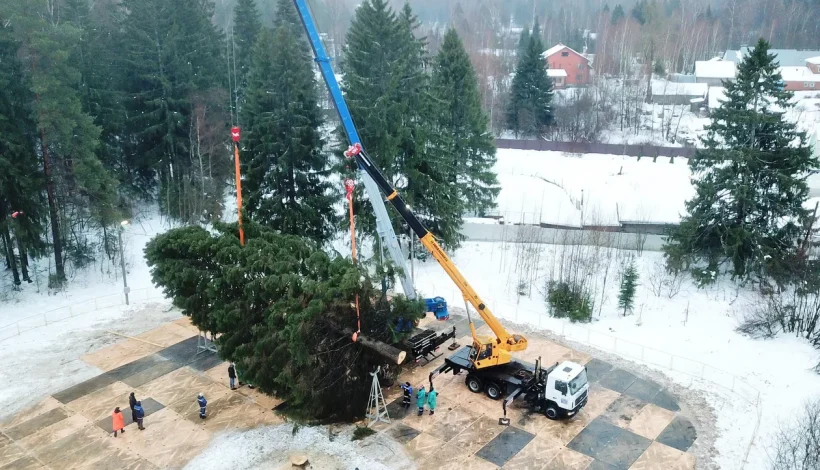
[117, 421]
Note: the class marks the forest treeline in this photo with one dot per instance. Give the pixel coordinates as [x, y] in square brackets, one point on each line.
[107, 103]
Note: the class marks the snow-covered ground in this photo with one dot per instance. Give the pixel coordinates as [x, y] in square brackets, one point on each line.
[100, 279]
[593, 189]
[330, 449]
[695, 324]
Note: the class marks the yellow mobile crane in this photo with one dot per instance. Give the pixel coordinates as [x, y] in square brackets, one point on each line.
[560, 390]
[487, 351]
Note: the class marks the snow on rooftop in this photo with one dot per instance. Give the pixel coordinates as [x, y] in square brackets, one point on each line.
[556, 73]
[784, 57]
[667, 88]
[717, 95]
[814, 60]
[715, 69]
[554, 49]
[798, 74]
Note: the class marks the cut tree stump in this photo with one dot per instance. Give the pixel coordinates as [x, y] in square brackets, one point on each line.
[298, 460]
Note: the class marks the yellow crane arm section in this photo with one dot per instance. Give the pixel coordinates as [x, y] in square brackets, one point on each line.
[487, 354]
[505, 340]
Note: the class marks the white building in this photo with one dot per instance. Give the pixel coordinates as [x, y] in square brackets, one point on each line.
[558, 76]
[713, 72]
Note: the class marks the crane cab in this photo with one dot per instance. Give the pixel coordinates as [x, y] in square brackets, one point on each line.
[486, 352]
[565, 392]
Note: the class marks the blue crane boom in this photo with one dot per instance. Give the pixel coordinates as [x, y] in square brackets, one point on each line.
[383, 225]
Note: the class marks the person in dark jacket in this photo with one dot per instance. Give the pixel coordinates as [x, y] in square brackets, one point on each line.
[140, 414]
[408, 395]
[202, 404]
[132, 400]
[232, 375]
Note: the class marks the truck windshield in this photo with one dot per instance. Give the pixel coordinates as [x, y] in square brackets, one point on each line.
[578, 382]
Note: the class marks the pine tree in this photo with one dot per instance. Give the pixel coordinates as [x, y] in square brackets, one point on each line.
[286, 15]
[750, 180]
[389, 92]
[173, 78]
[523, 42]
[529, 111]
[629, 283]
[21, 180]
[618, 14]
[100, 78]
[535, 36]
[286, 170]
[77, 184]
[245, 30]
[456, 89]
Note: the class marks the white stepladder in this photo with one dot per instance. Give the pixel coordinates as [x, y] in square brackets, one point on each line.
[376, 406]
[203, 343]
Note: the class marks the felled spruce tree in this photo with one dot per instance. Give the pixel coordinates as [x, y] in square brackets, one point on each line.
[279, 304]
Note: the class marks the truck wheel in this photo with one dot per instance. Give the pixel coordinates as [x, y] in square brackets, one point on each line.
[474, 384]
[551, 411]
[493, 391]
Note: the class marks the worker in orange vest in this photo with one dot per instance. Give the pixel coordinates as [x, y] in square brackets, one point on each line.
[117, 421]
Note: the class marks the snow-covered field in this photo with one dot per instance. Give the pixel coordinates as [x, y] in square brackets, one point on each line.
[593, 189]
[694, 324]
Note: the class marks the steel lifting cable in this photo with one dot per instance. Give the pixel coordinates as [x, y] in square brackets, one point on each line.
[349, 186]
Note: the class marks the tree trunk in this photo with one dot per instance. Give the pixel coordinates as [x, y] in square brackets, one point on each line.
[52, 210]
[23, 260]
[390, 353]
[10, 255]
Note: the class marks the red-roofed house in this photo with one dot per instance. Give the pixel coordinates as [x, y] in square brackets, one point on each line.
[575, 65]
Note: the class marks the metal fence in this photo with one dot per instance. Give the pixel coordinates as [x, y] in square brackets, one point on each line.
[66, 312]
[594, 147]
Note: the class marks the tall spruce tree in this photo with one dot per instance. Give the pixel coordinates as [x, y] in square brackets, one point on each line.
[245, 30]
[529, 111]
[77, 184]
[286, 170]
[389, 93]
[750, 180]
[535, 35]
[100, 77]
[523, 42]
[175, 88]
[462, 120]
[21, 180]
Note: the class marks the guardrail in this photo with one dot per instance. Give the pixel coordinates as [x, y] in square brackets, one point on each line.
[595, 147]
[628, 349]
[66, 312]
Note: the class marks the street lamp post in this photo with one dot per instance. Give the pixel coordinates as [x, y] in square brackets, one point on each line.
[125, 288]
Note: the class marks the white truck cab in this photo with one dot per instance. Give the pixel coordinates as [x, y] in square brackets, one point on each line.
[566, 390]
